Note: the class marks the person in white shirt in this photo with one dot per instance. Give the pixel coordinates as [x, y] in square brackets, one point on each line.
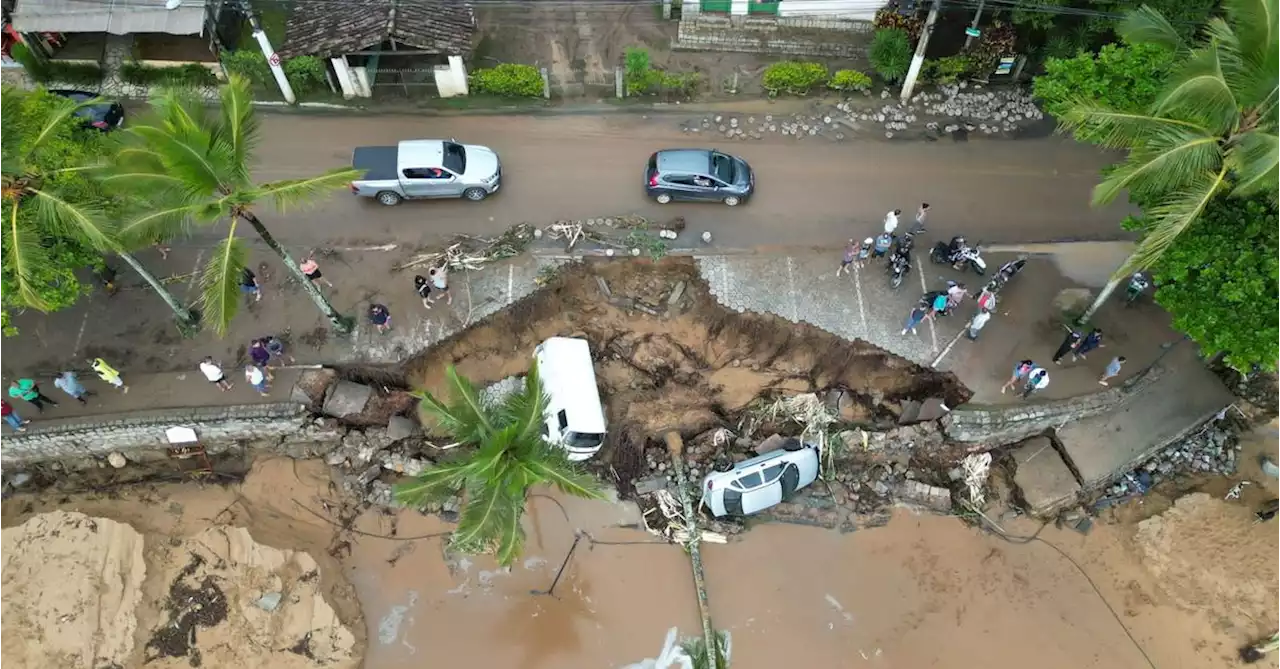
[979, 321]
[1038, 379]
[891, 221]
[213, 372]
[257, 379]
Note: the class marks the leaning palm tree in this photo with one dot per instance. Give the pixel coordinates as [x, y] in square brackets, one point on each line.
[1212, 130]
[506, 455]
[192, 165]
[49, 193]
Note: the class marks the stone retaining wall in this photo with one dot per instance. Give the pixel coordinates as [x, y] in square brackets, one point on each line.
[797, 36]
[988, 427]
[284, 426]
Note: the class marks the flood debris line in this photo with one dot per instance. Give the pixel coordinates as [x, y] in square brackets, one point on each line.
[468, 252]
[955, 109]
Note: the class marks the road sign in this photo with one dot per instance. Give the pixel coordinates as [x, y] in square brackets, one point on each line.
[274, 60]
[972, 32]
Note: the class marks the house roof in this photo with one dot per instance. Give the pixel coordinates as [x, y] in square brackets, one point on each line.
[321, 28]
[119, 17]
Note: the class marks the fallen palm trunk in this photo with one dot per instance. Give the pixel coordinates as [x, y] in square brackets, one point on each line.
[676, 446]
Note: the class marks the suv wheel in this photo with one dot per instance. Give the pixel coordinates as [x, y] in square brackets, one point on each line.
[732, 201]
[388, 198]
[663, 198]
[475, 194]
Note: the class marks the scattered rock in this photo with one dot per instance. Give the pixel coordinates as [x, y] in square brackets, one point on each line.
[400, 427]
[116, 459]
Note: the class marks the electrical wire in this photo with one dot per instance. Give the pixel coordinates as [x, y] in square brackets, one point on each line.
[374, 535]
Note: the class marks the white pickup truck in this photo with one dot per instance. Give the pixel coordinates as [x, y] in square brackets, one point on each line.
[426, 168]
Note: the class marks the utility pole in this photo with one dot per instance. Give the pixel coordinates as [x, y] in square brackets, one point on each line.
[973, 27]
[273, 58]
[918, 60]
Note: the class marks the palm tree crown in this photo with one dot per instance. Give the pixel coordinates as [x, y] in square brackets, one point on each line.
[510, 455]
[192, 164]
[1212, 130]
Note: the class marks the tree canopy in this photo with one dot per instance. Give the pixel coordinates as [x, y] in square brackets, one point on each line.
[1121, 77]
[1211, 129]
[501, 454]
[55, 215]
[1219, 280]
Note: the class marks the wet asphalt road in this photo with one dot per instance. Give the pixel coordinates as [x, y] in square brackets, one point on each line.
[810, 193]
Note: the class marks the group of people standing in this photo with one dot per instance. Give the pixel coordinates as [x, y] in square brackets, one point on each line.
[876, 247]
[28, 390]
[1078, 345]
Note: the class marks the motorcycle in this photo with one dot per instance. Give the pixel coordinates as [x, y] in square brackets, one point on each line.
[899, 266]
[959, 255]
[1009, 270]
[1138, 284]
[930, 298]
[971, 256]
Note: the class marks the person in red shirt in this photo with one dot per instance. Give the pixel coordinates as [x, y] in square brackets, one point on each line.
[12, 418]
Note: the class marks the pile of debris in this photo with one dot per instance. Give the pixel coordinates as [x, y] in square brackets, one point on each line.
[950, 108]
[1212, 450]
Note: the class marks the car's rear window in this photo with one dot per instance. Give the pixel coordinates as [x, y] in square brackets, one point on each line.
[722, 167]
[455, 158]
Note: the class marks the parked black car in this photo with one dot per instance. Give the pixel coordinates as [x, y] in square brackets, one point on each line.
[105, 116]
[698, 175]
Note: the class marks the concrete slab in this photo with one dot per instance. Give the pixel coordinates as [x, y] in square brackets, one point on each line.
[1046, 482]
[1107, 445]
[346, 399]
[399, 427]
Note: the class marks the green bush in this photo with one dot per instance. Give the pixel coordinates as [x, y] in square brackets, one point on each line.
[191, 74]
[890, 53]
[889, 18]
[508, 80]
[849, 80]
[639, 77]
[249, 64]
[52, 71]
[305, 74]
[793, 77]
[947, 70]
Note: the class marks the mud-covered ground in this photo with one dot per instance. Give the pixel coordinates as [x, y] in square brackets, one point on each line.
[669, 357]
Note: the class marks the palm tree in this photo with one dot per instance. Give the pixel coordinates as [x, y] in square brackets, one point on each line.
[44, 195]
[509, 456]
[1211, 131]
[192, 165]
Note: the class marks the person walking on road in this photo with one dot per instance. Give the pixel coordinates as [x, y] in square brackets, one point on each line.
[1091, 341]
[380, 317]
[891, 221]
[1068, 344]
[440, 282]
[850, 255]
[311, 269]
[257, 379]
[69, 384]
[978, 322]
[213, 372]
[261, 357]
[423, 288]
[1020, 372]
[249, 284]
[275, 346]
[29, 390]
[12, 418]
[921, 214]
[917, 316]
[1112, 371]
[1038, 379]
[109, 374]
[864, 251]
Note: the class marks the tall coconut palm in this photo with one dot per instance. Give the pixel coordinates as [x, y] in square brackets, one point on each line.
[1211, 131]
[506, 455]
[48, 191]
[192, 165]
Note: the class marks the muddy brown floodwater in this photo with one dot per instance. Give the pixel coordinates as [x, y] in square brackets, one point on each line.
[923, 591]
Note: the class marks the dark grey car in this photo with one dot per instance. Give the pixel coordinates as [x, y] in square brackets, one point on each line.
[698, 175]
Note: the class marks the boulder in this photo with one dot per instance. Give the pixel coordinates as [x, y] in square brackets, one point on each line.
[346, 399]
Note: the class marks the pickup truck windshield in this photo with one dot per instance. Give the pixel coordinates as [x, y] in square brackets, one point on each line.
[455, 158]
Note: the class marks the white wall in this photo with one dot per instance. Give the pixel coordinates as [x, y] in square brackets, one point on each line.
[863, 10]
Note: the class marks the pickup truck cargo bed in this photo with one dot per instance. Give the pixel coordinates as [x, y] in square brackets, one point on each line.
[378, 162]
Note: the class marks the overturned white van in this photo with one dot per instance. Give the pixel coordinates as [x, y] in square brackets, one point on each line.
[575, 416]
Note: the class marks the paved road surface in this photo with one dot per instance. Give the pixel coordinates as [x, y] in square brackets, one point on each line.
[813, 192]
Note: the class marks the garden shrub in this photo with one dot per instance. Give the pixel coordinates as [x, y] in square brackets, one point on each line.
[249, 64]
[849, 80]
[793, 77]
[509, 80]
[947, 70]
[890, 53]
[190, 74]
[639, 77]
[305, 74]
[52, 71]
[889, 18]
[996, 42]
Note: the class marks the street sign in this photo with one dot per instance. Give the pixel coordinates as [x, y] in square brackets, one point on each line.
[274, 60]
[972, 32]
[1006, 65]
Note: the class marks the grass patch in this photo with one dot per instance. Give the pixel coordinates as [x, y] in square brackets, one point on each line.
[273, 16]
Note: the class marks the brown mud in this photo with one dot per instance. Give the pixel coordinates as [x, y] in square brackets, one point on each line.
[669, 357]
